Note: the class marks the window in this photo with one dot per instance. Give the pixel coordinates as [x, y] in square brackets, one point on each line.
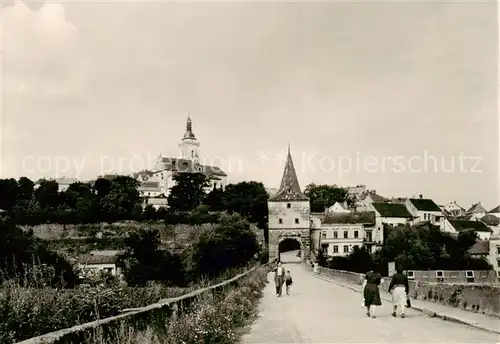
[280, 221]
[296, 220]
[356, 234]
[369, 237]
[410, 274]
[346, 234]
[335, 235]
[335, 249]
[498, 250]
[288, 205]
[323, 235]
[439, 274]
[346, 249]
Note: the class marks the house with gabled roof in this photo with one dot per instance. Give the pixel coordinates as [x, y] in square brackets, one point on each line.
[425, 209]
[489, 250]
[495, 211]
[456, 226]
[341, 233]
[62, 182]
[339, 207]
[476, 211]
[453, 209]
[392, 214]
[365, 199]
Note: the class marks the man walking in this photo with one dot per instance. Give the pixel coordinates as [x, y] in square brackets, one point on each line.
[279, 278]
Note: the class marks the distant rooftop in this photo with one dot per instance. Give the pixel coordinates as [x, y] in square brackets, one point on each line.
[364, 217]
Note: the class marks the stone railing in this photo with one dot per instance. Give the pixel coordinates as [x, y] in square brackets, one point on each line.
[156, 313]
[479, 298]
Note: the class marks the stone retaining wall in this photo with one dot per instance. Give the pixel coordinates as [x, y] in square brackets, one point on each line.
[156, 313]
[480, 298]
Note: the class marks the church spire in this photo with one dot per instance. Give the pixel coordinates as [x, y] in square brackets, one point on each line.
[189, 130]
[289, 189]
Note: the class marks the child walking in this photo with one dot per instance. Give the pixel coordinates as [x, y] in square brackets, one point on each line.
[288, 281]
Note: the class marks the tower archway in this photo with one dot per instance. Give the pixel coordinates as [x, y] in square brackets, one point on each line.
[287, 247]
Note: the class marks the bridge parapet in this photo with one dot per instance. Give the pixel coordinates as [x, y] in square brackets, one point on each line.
[481, 298]
[151, 315]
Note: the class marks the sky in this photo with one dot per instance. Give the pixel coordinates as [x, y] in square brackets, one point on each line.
[401, 97]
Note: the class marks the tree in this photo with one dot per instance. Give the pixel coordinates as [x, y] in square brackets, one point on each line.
[25, 189]
[188, 191]
[215, 199]
[20, 251]
[324, 196]
[47, 194]
[231, 244]
[248, 199]
[149, 213]
[144, 261]
[9, 192]
[118, 202]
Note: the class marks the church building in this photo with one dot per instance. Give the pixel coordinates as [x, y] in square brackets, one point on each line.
[156, 184]
[289, 214]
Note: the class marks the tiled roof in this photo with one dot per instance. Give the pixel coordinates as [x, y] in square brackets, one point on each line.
[109, 176]
[490, 220]
[107, 252]
[90, 259]
[495, 210]
[480, 248]
[188, 166]
[150, 185]
[144, 174]
[392, 210]
[60, 181]
[289, 189]
[476, 208]
[461, 225]
[423, 204]
[364, 217]
[375, 197]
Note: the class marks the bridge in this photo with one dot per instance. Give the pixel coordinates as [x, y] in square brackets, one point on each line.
[325, 310]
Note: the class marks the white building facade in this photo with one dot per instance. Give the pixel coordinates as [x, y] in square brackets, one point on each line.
[189, 161]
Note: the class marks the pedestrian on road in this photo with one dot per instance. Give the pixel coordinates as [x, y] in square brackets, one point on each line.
[288, 281]
[279, 278]
[371, 292]
[399, 290]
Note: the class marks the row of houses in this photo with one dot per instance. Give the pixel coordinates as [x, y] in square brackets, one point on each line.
[340, 229]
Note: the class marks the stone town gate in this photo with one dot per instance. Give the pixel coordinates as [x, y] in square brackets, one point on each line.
[276, 236]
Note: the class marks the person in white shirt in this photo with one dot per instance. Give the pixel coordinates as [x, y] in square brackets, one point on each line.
[279, 278]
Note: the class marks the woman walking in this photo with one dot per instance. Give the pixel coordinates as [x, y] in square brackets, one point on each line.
[399, 290]
[371, 292]
[279, 279]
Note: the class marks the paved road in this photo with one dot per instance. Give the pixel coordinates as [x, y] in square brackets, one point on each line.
[319, 311]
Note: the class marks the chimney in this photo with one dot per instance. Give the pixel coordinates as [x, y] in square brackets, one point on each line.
[420, 196]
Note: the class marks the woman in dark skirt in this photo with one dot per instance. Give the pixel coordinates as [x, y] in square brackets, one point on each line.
[371, 292]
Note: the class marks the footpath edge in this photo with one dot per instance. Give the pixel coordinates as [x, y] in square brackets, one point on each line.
[427, 311]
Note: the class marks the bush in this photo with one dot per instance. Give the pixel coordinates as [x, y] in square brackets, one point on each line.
[213, 319]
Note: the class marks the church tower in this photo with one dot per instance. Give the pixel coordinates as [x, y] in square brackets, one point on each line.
[189, 146]
[289, 214]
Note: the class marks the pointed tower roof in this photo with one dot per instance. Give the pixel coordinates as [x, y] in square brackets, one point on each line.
[189, 130]
[289, 189]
